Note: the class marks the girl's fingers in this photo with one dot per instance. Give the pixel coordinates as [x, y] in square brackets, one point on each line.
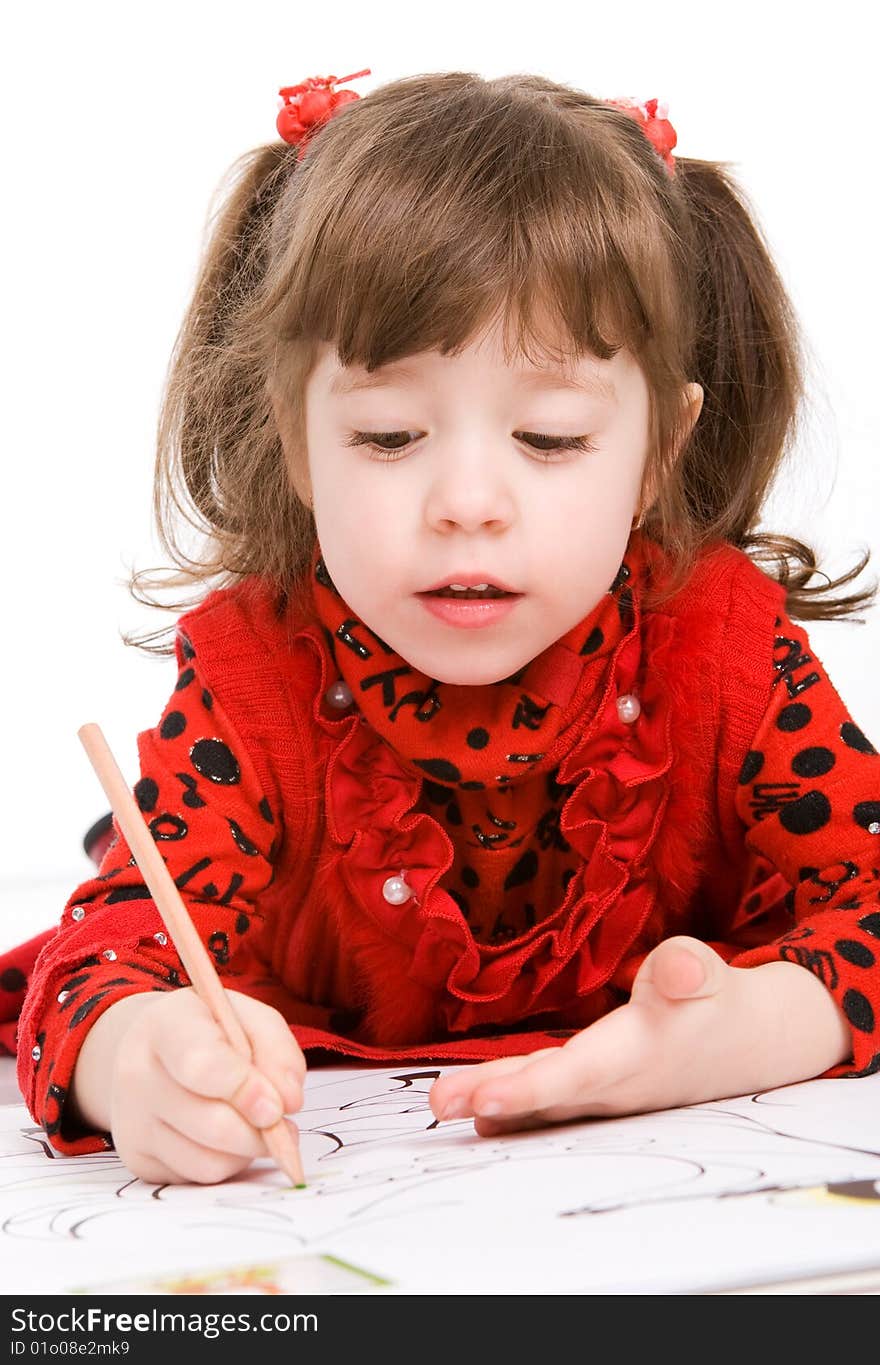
[681, 968]
[192, 1162]
[150, 1169]
[521, 1123]
[209, 1123]
[548, 1081]
[450, 1096]
[209, 1066]
[276, 1053]
[635, 1059]
[562, 1081]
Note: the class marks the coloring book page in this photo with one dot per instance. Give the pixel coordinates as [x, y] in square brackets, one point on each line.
[732, 1193]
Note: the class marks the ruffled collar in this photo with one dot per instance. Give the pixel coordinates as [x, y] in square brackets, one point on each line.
[481, 736]
[613, 780]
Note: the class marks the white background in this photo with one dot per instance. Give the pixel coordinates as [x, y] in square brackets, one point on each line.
[118, 125]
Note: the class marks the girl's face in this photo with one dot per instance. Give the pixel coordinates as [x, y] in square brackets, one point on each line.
[469, 484]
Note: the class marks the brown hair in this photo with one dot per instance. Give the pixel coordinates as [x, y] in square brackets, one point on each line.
[360, 243]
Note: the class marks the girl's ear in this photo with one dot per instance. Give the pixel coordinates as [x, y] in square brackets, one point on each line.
[693, 398]
[692, 402]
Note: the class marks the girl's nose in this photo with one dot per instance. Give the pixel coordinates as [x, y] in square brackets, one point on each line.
[472, 489]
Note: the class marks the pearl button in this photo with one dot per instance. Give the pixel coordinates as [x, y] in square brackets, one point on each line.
[36, 1052]
[396, 890]
[109, 954]
[339, 696]
[78, 913]
[874, 827]
[629, 708]
[161, 939]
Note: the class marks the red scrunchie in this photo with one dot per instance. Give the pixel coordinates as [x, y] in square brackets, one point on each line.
[309, 105]
[650, 115]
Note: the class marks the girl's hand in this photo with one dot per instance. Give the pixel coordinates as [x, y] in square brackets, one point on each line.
[184, 1106]
[694, 1029]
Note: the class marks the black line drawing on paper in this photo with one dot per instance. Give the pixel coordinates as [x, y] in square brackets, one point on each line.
[380, 1166]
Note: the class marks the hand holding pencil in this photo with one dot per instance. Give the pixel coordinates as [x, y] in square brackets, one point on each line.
[196, 1108]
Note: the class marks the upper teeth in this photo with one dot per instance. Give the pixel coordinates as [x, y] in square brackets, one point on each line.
[463, 587]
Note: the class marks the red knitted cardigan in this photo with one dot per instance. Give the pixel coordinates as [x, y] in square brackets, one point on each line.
[305, 813]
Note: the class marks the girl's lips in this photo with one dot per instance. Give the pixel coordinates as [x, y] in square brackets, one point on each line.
[469, 613]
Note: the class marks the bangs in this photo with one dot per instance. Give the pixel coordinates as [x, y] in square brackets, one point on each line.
[418, 218]
[473, 204]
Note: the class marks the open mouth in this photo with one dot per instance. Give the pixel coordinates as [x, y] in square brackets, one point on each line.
[467, 594]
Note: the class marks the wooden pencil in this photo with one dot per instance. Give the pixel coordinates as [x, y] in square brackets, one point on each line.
[280, 1140]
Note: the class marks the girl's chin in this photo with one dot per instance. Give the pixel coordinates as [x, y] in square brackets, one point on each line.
[481, 673]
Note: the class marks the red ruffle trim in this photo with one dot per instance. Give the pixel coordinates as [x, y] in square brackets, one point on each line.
[612, 818]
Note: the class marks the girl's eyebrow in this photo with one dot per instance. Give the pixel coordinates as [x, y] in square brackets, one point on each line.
[400, 373]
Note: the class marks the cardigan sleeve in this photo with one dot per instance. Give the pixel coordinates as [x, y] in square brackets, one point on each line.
[809, 797]
[218, 835]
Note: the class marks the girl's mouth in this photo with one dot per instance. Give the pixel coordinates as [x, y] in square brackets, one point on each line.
[466, 594]
[469, 610]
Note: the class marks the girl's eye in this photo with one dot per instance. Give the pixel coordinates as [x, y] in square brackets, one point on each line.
[557, 442]
[374, 440]
[377, 440]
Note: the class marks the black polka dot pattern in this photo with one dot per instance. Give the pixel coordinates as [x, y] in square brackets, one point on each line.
[809, 813]
[146, 793]
[852, 735]
[167, 826]
[794, 717]
[866, 814]
[858, 1011]
[525, 870]
[815, 762]
[173, 725]
[594, 641]
[216, 761]
[752, 765]
[852, 950]
[440, 769]
[190, 796]
[808, 792]
[242, 841]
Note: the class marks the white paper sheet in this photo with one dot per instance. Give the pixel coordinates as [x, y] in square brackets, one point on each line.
[737, 1192]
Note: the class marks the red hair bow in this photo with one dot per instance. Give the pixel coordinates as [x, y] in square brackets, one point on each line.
[309, 105]
[651, 117]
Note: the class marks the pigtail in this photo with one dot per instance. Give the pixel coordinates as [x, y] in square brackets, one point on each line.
[218, 468]
[748, 358]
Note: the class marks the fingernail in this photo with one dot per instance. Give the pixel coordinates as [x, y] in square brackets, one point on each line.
[264, 1111]
[488, 1108]
[454, 1109]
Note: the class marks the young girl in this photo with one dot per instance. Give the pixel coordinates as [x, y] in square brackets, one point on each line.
[490, 742]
